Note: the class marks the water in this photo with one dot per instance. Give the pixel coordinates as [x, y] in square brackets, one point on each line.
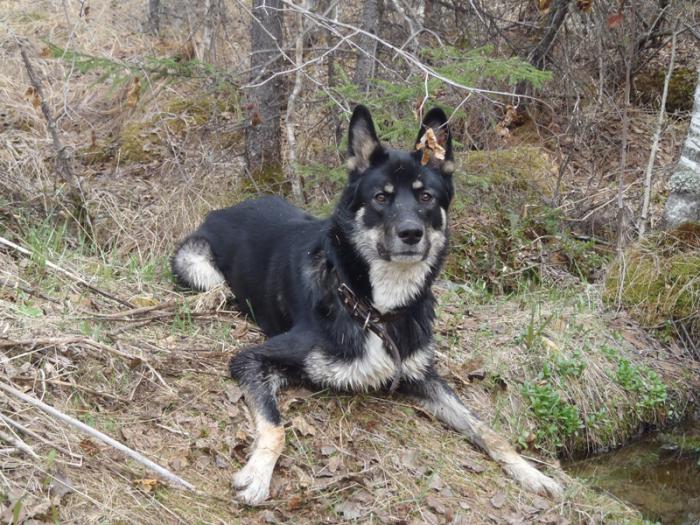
[659, 474]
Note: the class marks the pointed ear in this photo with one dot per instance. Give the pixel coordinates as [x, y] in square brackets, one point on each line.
[437, 120]
[362, 140]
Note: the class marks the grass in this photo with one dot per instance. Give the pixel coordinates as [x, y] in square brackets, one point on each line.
[158, 383]
[378, 455]
[658, 282]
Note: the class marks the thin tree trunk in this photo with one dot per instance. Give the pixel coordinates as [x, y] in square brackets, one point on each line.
[621, 222]
[153, 21]
[655, 143]
[557, 15]
[263, 134]
[292, 172]
[683, 204]
[368, 46]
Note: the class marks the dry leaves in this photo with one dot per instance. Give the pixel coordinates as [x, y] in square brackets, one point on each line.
[431, 147]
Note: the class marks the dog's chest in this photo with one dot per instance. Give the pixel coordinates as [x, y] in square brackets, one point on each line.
[373, 368]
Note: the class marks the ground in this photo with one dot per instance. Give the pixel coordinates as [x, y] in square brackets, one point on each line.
[524, 333]
[152, 375]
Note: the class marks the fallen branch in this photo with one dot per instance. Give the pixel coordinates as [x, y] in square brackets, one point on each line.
[162, 471]
[67, 273]
[18, 444]
[38, 437]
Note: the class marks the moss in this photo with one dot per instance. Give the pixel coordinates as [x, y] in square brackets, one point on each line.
[658, 280]
[138, 142]
[681, 88]
[270, 179]
[500, 221]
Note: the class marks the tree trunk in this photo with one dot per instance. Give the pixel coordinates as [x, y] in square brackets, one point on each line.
[367, 44]
[557, 15]
[263, 133]
[153, 21]
[683, 204]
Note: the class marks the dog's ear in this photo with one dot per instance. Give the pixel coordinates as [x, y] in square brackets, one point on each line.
[436, 120]
[363, 144]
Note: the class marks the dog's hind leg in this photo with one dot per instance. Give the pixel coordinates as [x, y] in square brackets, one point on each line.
[193, 265]
[260, 372]
[438, 398]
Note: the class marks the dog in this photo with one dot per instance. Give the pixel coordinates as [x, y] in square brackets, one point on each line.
[346, 301]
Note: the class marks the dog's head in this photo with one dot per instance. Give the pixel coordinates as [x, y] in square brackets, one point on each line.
[398, 200]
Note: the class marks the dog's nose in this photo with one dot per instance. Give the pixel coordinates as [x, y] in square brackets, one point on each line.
[410, 233]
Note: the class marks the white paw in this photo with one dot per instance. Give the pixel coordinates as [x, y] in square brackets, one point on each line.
[533, 480]
[253, 485]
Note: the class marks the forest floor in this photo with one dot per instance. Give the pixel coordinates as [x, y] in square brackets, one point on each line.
[555, 367]
[154, 377]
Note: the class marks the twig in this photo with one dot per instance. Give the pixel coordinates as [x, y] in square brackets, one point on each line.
[655, 144]
[162, 471]
[67, 273]
[18, 443]
[39, 437]
[137, 311]
[62, 164]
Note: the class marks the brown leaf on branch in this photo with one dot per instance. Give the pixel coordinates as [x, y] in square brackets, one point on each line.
[431, 147]
[132, 98]
[32, 95]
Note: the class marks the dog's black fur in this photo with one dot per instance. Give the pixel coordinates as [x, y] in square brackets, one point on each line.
[386, 241]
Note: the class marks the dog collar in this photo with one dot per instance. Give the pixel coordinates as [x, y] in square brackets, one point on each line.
[374, 321]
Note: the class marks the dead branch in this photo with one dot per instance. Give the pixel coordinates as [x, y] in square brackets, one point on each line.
[18, 444]
[62, 161]
[68, 273]
[38, 437]
[655, 144]
[162, 471]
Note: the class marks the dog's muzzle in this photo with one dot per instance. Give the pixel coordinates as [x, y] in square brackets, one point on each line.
[407, 243]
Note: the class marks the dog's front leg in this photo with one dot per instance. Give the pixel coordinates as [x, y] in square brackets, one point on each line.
[260, 372]
[438, 398]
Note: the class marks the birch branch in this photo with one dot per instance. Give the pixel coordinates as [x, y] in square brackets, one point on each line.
[292, 171]
[162, 471]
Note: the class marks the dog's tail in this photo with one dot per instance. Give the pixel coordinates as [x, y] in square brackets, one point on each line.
[193, 265]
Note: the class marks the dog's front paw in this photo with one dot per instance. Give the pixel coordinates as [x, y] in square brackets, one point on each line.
[253, 485]
[533, 480]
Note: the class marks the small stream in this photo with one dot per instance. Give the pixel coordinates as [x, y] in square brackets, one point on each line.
[659, 474]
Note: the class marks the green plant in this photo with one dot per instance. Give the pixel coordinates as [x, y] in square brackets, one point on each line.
[556, 418]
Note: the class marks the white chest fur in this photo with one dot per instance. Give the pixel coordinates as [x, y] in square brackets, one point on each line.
[368, 372]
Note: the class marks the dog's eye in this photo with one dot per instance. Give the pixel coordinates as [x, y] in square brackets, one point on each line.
[426, 197]
[380, 197]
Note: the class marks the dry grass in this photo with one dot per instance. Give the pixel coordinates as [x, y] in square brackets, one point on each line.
[161, 389]
[156, 381]
[658, 282]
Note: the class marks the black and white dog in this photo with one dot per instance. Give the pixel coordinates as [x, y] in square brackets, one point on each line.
[346, 301]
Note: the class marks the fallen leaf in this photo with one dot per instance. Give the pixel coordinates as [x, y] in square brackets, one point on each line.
[303, 426]
[615, 20]
[89, 447]
[350, 510]
[436, 483]
[60, 486]
[148, 484]
[434, 503]
[498, 500]
[233, 393]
